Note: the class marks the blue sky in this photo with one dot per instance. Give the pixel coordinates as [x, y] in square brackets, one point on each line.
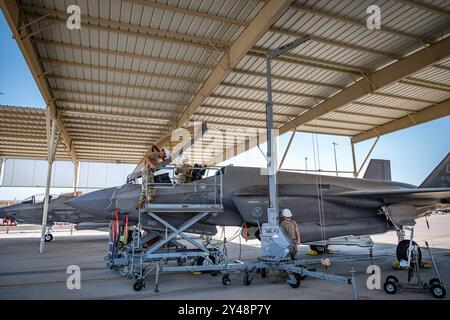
[413, 152]
[16, 82]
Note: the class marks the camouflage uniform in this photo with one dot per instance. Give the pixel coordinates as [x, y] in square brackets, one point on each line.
[184, 173]
[148, 191]
[289, 228]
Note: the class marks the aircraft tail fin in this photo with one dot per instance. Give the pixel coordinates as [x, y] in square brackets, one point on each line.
[440, 176]
[378, 170]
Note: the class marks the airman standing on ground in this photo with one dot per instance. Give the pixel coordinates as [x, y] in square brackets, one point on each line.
[291, 229]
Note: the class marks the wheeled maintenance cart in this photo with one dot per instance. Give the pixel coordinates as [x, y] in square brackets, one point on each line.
[434, 285]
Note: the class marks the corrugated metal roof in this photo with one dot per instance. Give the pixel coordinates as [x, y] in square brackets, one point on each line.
[124, 80]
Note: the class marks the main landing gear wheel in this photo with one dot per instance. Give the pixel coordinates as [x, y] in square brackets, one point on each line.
[319, 248]
[48, 237]
[138, 285]
[402, 250]
[438, 291]
[247, 279]
[390, 287]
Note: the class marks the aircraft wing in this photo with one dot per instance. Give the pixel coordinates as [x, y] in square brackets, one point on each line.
[414, 194]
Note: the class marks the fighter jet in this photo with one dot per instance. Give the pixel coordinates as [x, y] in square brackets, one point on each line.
[323, 206]
[30, 211]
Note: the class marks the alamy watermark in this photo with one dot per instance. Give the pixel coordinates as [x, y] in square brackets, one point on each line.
[374, 19]
[74, 280]
[74, 20]
[374, 280]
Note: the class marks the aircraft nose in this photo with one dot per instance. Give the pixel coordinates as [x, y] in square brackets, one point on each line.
[93, 203]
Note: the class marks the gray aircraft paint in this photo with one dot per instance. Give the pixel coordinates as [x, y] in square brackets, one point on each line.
[58, 212]
[351, 206]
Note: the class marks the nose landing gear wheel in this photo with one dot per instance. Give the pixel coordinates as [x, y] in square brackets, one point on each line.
[48, 237]
[402, 251]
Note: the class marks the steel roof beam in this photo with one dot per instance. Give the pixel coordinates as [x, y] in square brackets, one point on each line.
[375, 81]
[122, 85]
[123, 54]
[112, 107]
[275, 91]
[336, 17]
[424, 6]
[252, 33]
[119, 70]
[289, 79]
[430, 113]
[301, 60]
[126, 28]
[426, 84]
[106, 95]
[335, 43]
[193, 13]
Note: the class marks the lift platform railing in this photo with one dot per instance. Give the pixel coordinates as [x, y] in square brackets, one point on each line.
[204, 184]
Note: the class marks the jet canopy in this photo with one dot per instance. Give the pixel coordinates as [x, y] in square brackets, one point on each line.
[37, 198]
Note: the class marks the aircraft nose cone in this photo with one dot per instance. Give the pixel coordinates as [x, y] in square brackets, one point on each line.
[93, 203]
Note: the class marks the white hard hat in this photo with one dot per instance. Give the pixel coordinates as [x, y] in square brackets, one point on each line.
[286, 213]
[167, 153]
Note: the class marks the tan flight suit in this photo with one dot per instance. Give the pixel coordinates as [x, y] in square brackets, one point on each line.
[289, 228]
[184, 173]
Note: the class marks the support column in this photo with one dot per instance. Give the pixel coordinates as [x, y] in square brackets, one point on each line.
[52, 144]
[287, 148]
[355, 171]
[75, 176]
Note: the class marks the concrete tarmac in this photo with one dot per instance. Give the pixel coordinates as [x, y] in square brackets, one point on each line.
[25, 274]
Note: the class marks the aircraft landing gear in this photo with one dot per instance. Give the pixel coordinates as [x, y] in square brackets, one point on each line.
[48, 237]
[319, 248]
[402, 251]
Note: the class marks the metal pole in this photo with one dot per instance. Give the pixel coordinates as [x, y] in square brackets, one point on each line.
[287, 148]
[75, 177]
[272, 211]
[335, 158]
[368, 155]
[355, 172]
[50, 146]
[271, 150]
[306, 164]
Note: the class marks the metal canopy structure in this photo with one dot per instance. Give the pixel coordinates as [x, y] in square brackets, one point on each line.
[137, 70]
